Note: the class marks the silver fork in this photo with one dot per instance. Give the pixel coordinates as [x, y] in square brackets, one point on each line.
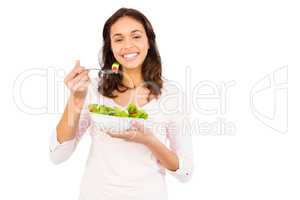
[89, 69]
[102, 71]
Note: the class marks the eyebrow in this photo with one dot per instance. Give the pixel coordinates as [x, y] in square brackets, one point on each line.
[134, 31]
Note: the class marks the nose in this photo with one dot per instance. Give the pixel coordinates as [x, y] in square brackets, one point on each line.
[128, 43]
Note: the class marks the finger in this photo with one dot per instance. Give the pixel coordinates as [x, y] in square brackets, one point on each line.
[77, 79]
[76, 70]
[112, 134]
[115, 135]
[127, 135]
[137, 125]
[80, 76]
[106, 130]
[108, 133]
[132, 135]
[74, 73]
[77, 63]
[83, 77]
[82, 86]
[80, 81]
[122, 135]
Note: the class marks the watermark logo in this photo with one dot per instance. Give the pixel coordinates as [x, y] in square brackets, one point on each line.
[269, 100]
[53, 82]
[206, 101]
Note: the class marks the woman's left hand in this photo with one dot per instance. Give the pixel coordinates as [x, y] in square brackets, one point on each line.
[137, 133]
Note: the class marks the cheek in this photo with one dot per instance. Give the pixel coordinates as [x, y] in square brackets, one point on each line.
[144, 46]
[115, 51]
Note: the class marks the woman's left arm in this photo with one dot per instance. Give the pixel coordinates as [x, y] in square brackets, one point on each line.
[179, 134]
[166, 157]
[178, 160]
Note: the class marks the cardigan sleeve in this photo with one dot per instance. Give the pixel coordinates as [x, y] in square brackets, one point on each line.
[178, 130]
[60, 152]
[180, 141]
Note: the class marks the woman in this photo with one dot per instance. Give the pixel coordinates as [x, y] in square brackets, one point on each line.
[128, 165]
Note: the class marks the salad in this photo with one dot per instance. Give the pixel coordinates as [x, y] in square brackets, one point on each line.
[131, 111]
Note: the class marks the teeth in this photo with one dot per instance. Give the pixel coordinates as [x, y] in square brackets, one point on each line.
[130, 55]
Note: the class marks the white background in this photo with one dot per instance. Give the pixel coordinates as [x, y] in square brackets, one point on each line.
[246, 42]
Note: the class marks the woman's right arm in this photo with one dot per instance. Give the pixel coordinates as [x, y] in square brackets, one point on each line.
[74, 120]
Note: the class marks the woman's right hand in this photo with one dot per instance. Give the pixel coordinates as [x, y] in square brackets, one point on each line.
[77, 82]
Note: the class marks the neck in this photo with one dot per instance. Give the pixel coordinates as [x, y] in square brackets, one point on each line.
[132, 78]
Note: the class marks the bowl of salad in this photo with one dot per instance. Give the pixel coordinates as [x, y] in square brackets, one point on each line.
[114, 118]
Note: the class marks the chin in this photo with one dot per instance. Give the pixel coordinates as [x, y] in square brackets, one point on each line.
[129, 66]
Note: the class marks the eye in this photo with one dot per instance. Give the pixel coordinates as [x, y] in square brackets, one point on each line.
[137, 36]
[118, 40]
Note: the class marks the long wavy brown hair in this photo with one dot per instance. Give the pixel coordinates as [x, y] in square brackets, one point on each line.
[151, 67]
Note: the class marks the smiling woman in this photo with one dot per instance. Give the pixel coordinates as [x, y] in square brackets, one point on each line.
[130, 164]
[129, 38]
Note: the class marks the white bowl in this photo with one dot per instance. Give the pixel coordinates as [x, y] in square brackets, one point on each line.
[115, 124]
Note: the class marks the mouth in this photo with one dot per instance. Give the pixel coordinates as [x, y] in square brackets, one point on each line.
[130, 56]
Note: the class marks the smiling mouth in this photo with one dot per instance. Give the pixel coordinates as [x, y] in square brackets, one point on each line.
[130, 56]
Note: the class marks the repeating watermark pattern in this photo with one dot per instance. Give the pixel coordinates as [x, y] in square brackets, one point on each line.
[204, 100]
[272, 90]
[56, 94]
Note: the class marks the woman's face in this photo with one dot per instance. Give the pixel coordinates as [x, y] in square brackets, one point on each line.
[129, 42]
